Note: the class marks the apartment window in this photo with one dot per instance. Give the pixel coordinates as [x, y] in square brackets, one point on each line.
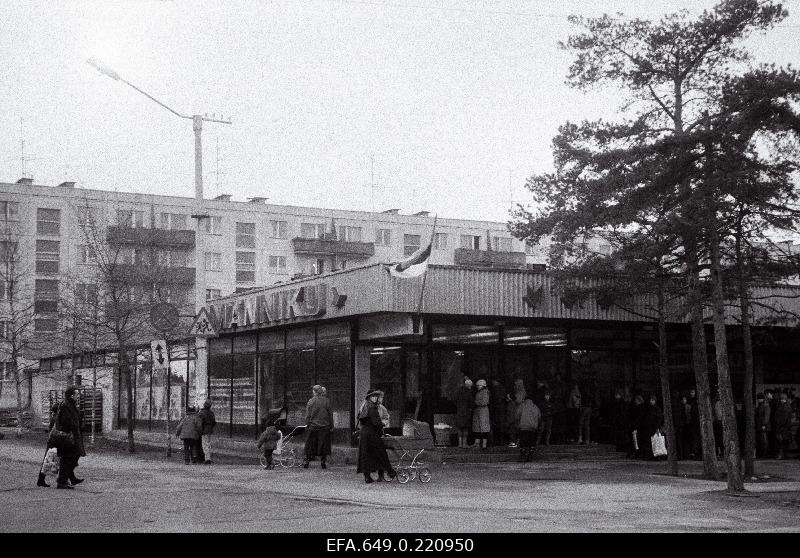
[86, 254]
[383, 237]
[85, 293]
[471, 242]
[172, 221]
[245, 235]
[440, 241]
[312, 230]
[47, 256]
[45, 296]
[87, 215]
[46, 325]
[318, 267]
[245, 267]
[349, 234]
[131, 256]
[9, 211]
[213, 261]
[173, 258]
[501, 244]
[411, 243]
[48, 222]
[277, 264]
[211, 294]
[130, 218]
[278, 229]
[214, 225]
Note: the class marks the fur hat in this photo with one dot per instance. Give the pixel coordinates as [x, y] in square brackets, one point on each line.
[70, 391]
[375, 392]
[480, 383]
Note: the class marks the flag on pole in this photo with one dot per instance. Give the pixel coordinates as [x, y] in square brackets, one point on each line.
[417, 263]
[414, 266]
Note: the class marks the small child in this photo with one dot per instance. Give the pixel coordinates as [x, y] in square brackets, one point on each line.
[268, 440]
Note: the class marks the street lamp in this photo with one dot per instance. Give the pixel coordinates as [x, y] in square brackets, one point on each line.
[201, 361]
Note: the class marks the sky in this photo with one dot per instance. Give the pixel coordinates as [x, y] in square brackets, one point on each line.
[438, 105]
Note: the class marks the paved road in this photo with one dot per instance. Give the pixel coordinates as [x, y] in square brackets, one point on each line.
[147, 492]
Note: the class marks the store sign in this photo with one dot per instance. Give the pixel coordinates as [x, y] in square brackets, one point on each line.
[282, 306]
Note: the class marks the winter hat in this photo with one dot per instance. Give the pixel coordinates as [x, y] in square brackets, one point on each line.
[468, 382]
[70, 391]
[207, 404]
[191, 409]
[481, 383]
[375, 392]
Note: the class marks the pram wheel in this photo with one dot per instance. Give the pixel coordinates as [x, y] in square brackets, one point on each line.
[286, 460]
[403, 476]
[425, 475]
[262, 460]
[412, 472]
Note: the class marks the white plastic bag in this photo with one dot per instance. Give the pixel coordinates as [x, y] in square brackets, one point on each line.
[659, 445]
[279, 444]
[51, 462]
[635, 441]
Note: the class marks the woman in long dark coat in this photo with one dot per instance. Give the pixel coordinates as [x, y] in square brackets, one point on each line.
[68, 420]
[319, 424]
[371, 451]
[652, 422]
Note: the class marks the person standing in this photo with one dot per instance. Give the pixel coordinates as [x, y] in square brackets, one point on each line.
[763, 426]
[585, 416]
[268, 440]
[695, 451]
[189, 429]
[546, 429]
[372, 455]
[209, 421]
[558, 396]
[319, 424]
[716, 408]
[68, 419]
[783, 425]
[772, 403]
[497, 412]
[464, 411]
[618, 431]
[42, 475]
[652, 422]
[529, 417]
[573, 414]
[481, 425]
[635, 426]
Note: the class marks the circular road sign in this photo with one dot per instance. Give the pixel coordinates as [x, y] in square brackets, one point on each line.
[164, 316]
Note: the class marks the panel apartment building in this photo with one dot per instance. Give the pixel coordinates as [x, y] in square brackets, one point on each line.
[246, 244]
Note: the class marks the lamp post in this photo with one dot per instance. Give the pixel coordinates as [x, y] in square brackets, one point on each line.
[201, 345]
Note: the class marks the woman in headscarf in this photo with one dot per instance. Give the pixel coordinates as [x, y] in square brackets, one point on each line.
[319, 424]
[464, 411]
[480, 414]
[372, 455]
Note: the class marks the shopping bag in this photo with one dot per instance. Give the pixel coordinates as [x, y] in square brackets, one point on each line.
[279, 444]
[635, 441]
[51, 462]
[659, 445]
[61, 440]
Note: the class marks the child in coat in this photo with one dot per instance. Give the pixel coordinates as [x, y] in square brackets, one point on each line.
[268, 440]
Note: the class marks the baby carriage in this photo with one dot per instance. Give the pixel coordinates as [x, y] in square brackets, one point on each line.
[416, 469]
[286, 448]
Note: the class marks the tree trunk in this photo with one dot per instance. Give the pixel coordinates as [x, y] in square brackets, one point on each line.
[18, 386]
[749, 408]
[729, 432]
[666, 393]
[700, 361]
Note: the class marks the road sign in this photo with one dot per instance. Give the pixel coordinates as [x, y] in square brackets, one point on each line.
[202, 326]
[158, 349]
[164, 316]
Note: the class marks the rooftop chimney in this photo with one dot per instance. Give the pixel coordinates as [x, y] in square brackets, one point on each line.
[422, 213]
[391, 211]
[257, 200]
[223, 197]
[26, 181]
[67, 185]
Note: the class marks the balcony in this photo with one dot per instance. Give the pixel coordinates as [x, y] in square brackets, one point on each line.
[140, 273]
[489, 258]
[323, 247]
[150, 237]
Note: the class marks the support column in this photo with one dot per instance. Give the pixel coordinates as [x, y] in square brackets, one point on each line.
[362, 375]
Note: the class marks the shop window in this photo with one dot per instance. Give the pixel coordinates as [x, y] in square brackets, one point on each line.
[271, 383]
[386, 375]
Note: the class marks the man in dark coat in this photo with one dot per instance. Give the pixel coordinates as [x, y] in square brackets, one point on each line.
[319, 422]
[619, 433]
[783, 424]
[371, 451]
[68, 419]
[652, 421]
[695, 451]
[635, 426]
[209, 422]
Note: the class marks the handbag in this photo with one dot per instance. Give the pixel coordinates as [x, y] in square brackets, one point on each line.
[635, 441]
[60, 439]
[658, 444]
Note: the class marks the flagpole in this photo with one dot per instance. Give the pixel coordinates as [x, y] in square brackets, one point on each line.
[425, 275]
